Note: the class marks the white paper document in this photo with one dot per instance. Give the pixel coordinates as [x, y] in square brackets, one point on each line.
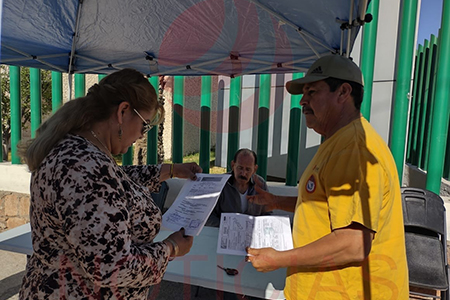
[195, 203]
[238, 231]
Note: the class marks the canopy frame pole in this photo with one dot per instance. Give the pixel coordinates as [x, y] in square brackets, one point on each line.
[32, 57]
[349, 32]
[75, 37]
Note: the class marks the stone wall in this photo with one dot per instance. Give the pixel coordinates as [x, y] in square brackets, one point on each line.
[14, 209]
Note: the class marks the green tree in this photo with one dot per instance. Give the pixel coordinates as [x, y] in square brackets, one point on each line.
[46, 85]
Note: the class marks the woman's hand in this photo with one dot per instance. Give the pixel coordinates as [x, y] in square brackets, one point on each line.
[182, 243]
[186, 170]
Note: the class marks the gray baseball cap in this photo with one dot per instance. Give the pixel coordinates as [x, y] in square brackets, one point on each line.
[334, 65]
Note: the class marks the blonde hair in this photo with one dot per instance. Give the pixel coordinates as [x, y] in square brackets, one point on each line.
[80, 114]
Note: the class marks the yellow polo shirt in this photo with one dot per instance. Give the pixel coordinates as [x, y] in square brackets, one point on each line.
[352, 178]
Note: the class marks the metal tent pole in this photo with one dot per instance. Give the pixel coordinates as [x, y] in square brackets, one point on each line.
[369, 41]
[35, 100]
[152, 135]
[295, 118]
[234, 119]
[263, 123]
[57, 92]
[205, 124]
[403, 83]
[440, 119]
[177, 119]
[16, 112]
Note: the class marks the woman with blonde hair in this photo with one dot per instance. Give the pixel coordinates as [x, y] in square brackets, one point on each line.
[93, 222]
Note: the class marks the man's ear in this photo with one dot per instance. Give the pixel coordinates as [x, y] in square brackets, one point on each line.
[345, 91]
[232, 164]
[256, 169]
[121, 109]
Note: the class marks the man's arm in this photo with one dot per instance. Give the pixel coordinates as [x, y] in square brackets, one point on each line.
[272, 201]
[342, 246]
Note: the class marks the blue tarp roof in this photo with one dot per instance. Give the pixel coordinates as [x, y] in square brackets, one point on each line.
[174, 37]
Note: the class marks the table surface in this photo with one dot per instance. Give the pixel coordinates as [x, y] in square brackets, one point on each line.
[198, 267]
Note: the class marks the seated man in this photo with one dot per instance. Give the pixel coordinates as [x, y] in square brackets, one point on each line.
[234, 195]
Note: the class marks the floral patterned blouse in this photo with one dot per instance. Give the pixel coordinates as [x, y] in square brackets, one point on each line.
[93, 224]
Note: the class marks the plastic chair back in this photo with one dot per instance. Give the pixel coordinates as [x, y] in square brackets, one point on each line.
[426, 240]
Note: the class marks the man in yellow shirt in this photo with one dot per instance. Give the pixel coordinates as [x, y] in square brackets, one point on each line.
[348, 224]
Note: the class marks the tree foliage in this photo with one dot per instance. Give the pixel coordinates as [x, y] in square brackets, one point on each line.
[46, 96]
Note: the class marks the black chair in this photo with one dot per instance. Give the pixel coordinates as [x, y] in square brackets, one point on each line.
[160, 197]
[426, 241]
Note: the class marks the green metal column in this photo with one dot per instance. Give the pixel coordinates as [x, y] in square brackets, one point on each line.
[295, 118]
[35, 100]
[403, 83]
[414, 112]
[263, 123]
[369, 41]
[205, 124]
[424, 103]
[80, 85]
[152, 135]
[16, 113]
[233, 119]
[57, 92]
[430, 93]
[101, 76]
[127, 158]
[440, 116]
[178, 102]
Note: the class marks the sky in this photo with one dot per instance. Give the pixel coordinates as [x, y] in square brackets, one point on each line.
[430, 19]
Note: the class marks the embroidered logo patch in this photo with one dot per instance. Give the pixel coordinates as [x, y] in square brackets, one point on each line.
[311, 184]
[317, 70]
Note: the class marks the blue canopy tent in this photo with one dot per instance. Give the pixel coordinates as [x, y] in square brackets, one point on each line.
[173, 37]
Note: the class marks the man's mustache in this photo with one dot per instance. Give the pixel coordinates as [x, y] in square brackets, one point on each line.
[307, 110]
[242, 177]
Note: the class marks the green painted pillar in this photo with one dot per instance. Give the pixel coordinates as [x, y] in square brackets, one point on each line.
[424, 103]
[413, 119]
[57, 92]
[101, 76]
[430, 88]
[369, 41]
[234, 119]
[295, 118]
[80, 85]
[440, 117]
[178, 102]
[403, 83]
[263, 123]
[127, 158]
[35, 100]
[205, 124]
[16, 113]
[152, 135]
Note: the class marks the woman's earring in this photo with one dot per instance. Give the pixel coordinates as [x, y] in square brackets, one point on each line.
[120, 132]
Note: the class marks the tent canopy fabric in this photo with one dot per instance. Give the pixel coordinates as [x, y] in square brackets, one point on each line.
[176, 37]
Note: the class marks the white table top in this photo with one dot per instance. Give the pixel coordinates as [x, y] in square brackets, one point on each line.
[17, 240]
[198, 267]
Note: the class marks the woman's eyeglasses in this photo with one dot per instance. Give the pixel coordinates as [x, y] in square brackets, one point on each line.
[146, 125]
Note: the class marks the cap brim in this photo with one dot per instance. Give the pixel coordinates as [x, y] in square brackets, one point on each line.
[295, 87]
